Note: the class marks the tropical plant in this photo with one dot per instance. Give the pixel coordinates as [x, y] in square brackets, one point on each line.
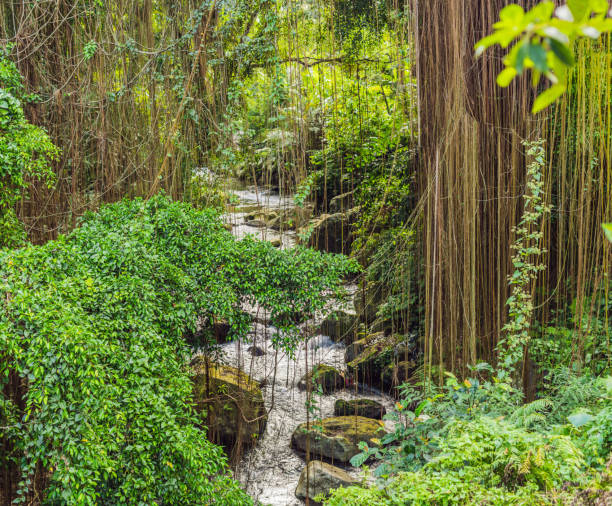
[545, 42]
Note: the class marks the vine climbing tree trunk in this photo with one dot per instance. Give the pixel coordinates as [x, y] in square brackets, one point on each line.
[471, 174]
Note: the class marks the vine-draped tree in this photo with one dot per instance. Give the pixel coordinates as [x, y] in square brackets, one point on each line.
[472, 173]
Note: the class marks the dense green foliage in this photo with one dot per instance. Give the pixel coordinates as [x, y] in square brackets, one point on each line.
[372, 113]
[474, 442]
[93, 324]
[25, 151]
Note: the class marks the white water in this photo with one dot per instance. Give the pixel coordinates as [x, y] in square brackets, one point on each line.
[270, 471]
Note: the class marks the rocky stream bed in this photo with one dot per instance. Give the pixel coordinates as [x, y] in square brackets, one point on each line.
[271, 469]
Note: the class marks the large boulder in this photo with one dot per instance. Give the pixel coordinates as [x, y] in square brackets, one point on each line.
[302, 215]
[332, 232]
[231, 403]
[263, 215]
[337, 438]
[325, 376]
[321, 478]
[380, 361]
[360, 407]
[340, 326]
[291, 218]
[354, 349]
[341, 202]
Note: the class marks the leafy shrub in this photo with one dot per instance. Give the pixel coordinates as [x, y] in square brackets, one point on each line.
[93, 327]
[483, 461]
[427, 489]
[474, 442]
[25, 151]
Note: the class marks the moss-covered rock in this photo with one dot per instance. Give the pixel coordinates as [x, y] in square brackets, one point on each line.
[231, 403]
[341, 202]
[262, 214]
[332, 232]
[337, 438]
[356, 348]
[328, 377]
[359, 407]
[322, 478]
[380, 361]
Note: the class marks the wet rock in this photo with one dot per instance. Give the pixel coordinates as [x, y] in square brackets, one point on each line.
[322, 478]
[341, 202]
[354, 349]
[256, 351]
[256, 223]
[302, 215]
[221, 329]
[332, 232]
[337, 438]
[264, 215]
[284, 221]
[359, 407]
[340, 326]
[328, 377]
[232, 404]
[380, 361]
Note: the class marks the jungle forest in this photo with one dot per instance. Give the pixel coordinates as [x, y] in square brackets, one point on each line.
[306, 252]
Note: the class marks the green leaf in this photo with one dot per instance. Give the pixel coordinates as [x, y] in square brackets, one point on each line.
[607, 227]
[547, 97]
[505, 77]
[359, 459]
[521, 54]
[537, 54]
[512, 13]
[579, 8]
[541, 12]
[599, 6]
[580, 419]
[485, 43]
[562, 52]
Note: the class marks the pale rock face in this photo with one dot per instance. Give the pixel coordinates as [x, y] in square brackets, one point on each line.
[322, 478]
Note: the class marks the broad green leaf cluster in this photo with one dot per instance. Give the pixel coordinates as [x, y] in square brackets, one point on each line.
[93, 332]
[545, 36]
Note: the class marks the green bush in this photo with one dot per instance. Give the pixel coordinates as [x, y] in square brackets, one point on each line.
[93, 327]
[25, 151]
[474, 442]
[484, 461]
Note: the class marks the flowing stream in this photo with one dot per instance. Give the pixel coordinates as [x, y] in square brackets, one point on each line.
[270, 471]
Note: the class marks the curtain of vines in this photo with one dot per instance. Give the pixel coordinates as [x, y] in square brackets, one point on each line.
[123, 86]
[472, 173]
